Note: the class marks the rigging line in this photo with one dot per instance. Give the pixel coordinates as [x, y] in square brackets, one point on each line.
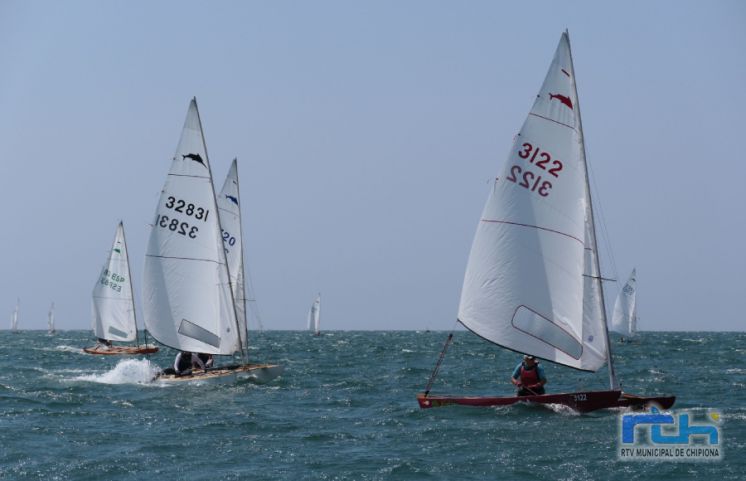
[437, 365]
[604, 229]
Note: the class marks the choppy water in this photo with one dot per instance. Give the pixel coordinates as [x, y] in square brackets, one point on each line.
[345, 409]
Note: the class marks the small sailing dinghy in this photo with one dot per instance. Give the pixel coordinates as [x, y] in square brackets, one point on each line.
[624, 317]
[113, 305]
[533, 282]
[14, 317]
[192, 295]
[314, 316]
[50, 320]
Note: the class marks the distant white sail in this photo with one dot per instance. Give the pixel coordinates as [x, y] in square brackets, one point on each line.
[50, 319]
[187, 298]
[314, 315]
[14, 316]
[229, 206]
[113, 304]
[624, 318]
[525, 286]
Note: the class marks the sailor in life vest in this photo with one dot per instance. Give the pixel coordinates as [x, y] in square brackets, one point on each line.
[529, 377]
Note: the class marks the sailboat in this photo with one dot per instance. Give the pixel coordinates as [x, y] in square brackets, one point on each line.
[188, 293]
[314, 316]
[14, 317]
[624, 317]
[50, 320]
[113, 304]
[532, 282]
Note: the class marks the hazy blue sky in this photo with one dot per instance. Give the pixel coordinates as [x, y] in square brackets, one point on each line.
[367, 135]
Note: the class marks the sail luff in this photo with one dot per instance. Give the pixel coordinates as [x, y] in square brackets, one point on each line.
[613, 382]
[223, 259]
[129, 276]
[241, 287]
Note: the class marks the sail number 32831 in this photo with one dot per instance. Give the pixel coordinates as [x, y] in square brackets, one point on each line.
[529, 179]
[176, 225]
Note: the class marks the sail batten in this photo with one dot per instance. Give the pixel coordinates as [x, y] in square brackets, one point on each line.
[526, 285]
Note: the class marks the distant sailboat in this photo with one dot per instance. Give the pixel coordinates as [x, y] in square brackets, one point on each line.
[314, 316]
[533, 279]
[14, 317]
[188, 296]
[624, 317]
[113, 304]
[50, 320]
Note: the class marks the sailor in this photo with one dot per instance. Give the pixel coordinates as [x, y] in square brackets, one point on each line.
[103, 343]
[206, 361]
[183, 363]
[529, 377]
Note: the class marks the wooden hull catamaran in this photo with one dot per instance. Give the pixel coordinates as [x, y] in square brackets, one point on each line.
[533, 279]
[113, 305]
[193, 288]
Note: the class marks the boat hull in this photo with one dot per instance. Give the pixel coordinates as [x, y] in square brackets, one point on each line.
[121, 350]
[255, 373]
[585, 401]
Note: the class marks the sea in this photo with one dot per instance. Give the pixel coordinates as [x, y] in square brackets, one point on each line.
[345, 409]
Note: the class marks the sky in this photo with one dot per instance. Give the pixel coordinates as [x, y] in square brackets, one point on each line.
[367, 135]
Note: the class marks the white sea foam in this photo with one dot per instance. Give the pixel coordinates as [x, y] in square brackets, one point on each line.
[127, 371]
[64, 348]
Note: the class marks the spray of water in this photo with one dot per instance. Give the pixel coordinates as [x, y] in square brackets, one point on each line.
[127, 371]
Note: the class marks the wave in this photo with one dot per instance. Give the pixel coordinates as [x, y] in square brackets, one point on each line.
[127, 371]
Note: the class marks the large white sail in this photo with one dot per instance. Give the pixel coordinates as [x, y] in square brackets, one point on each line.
[524, 286]
[113, 304]
[187, 298]
[229, 206]
[314, 315]
[624, 318]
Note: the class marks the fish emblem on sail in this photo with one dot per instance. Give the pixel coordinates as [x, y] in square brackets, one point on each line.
[562, 98]
[231, 198]
[194, 157]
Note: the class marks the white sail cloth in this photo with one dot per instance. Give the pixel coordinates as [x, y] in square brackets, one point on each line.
[314, 315]
[524, 286]
[624, 318]
[187, 298]
[112, 305]
[229, 206]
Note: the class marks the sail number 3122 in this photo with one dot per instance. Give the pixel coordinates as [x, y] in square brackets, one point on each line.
[527, 178]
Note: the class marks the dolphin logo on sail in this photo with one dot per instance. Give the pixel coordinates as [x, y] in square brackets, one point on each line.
[231, 198]
[194, 157]
[562, 98]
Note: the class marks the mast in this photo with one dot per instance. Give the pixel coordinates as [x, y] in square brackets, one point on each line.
[613, 381]
[220, 228]
[244, 342]
[129, 279]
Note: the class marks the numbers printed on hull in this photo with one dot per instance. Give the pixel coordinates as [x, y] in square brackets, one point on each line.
[579, 397]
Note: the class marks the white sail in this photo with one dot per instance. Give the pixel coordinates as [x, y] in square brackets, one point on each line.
[229, 206]
[314, 315]
[14, 316]
[113, 303]
[50, 319]
[524, 285]
[624, 318]
[187, 298]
